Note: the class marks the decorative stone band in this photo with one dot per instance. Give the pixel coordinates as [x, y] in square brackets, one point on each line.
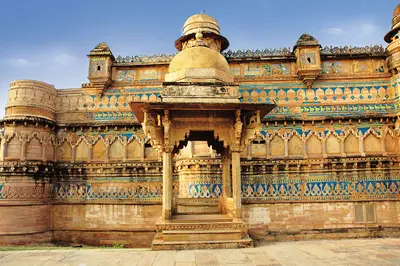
[31, 98]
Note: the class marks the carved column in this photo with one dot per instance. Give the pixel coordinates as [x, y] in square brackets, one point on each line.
[44, 151]
[268, 149]
[73, 153]
[107, 152]
[91, 153]
[226, 177]
[342, 149]
[167, 185]
[236, 184]
[143, 151]
[249, 151]
[383, 144]
[305, 148]
[324, 154]
[5, 143]
[286, 139]
[361, 145]
[23, 150]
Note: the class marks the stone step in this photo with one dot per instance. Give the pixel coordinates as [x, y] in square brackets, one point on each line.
[203, 218]
[246, 242]
[201, 235]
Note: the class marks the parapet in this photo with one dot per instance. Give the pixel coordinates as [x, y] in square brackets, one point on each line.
[30, 98]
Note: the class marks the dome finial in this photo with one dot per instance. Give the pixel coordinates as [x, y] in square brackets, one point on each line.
[199, 35]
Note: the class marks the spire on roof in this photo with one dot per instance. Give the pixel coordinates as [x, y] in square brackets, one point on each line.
[101, 49]
[306, 40]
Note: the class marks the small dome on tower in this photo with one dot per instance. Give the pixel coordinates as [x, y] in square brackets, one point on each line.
[200, 22]
[395, 25]
[306, 40]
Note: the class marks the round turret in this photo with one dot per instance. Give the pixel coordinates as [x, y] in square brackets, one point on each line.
[29, 98]
[393, 33]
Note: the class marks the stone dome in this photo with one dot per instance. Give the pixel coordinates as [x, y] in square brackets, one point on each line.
[395, 24]
[200, 22]
[198, 57]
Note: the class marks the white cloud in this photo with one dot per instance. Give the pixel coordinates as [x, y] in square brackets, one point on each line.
[21, 62]
[353, 32]
[337, 31]
[64, 59]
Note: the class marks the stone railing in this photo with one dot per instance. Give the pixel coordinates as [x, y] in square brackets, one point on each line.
[349, 50]
[257, 54]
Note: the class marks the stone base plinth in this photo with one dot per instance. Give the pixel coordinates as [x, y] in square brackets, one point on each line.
[201, 232]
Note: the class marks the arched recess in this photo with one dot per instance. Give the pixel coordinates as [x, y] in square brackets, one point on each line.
[149, 152]
[99, 151]
[50, 151]
[391, 143]
[295, 146]
[333, 146]
[314, 146]
[82, 152]
[64, 152]
[258, 148]
[372, 144]
[33, 149]
[117, 150]
[13, 148]
[277, 146]
[134, 150]
[351, 144]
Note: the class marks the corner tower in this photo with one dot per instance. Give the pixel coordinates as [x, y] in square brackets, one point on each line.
[393, 38]
[100, 63]
[308, 59]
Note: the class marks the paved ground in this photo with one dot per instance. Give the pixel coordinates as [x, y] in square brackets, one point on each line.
[322, 252]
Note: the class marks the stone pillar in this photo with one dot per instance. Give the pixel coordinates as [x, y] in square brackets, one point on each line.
[236, 185]
[324, 154]
[226, 177]
[142, 151]
[383, 144]
[167, 185]
[23, 151]
[361, 145]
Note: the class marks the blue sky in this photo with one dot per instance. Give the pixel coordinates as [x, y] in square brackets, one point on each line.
[48, 40]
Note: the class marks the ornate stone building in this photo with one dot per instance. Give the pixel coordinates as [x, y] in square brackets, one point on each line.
[207, 147]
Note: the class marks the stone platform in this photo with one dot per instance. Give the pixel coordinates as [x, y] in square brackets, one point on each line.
[354, 252]
[205, 231]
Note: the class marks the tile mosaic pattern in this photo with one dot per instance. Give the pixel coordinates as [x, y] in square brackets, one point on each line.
[321, 188]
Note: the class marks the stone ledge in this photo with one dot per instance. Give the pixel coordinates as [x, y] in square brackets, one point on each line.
[332, 233]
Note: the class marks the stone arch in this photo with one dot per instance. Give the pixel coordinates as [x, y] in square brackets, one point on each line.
[333, 146]
[117, 150]
[372, 144]
[14, 146]
[314, 146]
[258, 148]
[134, 150]
[149, 152]
[50, 151]
[82, 152]
[391, 143]
[64, 152]
[277, 146]
[99, 151]
[295, 146]
[33, 149]
[351, 144]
